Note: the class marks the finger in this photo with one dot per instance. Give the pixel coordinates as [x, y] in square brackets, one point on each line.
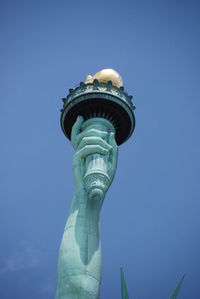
[94, 140]
[91, 149]
[113, 152]
[91, 132]
[76, 129]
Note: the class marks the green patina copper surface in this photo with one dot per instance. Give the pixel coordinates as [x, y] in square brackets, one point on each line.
[123, 286]
[125, 292]
[94, 166]
[103, 100]
[177, 289]
[95, 142]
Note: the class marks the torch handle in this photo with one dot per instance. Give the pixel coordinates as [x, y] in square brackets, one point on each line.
[96, 165]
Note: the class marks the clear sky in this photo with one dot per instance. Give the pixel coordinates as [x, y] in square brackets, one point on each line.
[150, 221]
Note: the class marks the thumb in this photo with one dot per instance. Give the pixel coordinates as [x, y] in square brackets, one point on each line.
[76, 129]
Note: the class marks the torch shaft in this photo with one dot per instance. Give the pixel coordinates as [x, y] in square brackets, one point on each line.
[97, 164]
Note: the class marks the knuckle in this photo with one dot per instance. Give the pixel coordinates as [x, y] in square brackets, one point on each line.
[85, 139]
[93, 131]
[100, 148]
[99, 139]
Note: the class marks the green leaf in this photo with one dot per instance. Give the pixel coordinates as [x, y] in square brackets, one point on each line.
[176, 291]
[123, 286]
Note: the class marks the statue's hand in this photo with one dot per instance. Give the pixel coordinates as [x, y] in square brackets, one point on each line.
[90, 142]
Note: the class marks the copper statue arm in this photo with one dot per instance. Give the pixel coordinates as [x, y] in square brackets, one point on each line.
[79, 263]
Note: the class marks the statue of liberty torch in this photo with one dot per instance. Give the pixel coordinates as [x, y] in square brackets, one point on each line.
[97, 117]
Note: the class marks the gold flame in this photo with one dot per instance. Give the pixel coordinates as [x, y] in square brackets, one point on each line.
[106, 75]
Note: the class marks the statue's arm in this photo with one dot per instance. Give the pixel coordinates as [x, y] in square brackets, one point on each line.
[79, 263]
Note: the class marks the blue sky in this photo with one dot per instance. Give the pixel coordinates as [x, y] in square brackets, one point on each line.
[150, 221]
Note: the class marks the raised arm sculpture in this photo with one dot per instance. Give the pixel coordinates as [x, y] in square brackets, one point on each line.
[97, 117]
[79, 266]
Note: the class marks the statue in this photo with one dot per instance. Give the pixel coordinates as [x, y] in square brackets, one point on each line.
[97, 116]
[79, 264]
